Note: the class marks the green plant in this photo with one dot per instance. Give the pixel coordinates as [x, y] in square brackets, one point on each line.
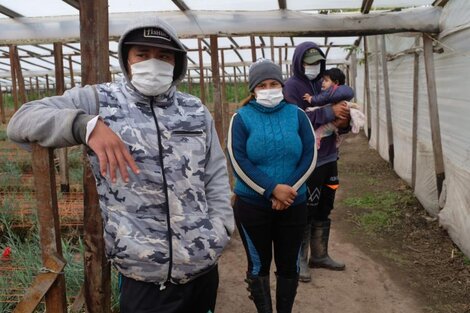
[10, 175]
[25, 258]
[381, 211]
[234, 93]
[3, 135]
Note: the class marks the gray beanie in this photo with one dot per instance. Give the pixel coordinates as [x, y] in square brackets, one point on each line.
[261, 70]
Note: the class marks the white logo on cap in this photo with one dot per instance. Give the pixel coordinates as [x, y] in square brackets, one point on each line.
[156, 33]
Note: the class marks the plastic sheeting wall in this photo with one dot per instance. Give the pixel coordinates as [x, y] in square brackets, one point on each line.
[451, 71]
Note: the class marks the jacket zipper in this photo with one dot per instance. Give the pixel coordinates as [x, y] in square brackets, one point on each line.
[165, 186]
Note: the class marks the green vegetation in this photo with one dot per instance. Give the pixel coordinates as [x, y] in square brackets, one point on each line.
[234, 93]
[381, 210]
[10, 175]
[3, 135]
[25, 258]
[75, 161]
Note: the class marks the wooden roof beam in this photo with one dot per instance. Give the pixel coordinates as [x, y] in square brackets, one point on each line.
[73, 3]
[10, 13]
[233, 41]
[440, 3]
[181, 5]
[237, 53]
[366, 5]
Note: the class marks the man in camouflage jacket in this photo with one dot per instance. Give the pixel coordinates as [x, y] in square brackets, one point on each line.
[167, 219]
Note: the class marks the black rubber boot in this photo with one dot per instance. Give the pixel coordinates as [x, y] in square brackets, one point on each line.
[260, 292]
[304, 275]
[286, 291]
[320, 234]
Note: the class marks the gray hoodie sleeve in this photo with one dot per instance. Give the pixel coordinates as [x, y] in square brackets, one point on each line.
[58, 121]
[216, 179]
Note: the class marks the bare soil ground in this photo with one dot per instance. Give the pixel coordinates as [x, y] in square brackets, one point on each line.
[410, 266]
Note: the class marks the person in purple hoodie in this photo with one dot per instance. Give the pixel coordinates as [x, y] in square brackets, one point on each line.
[308, 63]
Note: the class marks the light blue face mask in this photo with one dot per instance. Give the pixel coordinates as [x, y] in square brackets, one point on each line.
[312, 71]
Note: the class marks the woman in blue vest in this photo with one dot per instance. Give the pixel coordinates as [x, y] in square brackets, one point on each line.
[271, 144]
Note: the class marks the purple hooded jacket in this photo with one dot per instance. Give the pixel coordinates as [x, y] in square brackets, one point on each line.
[298, 85]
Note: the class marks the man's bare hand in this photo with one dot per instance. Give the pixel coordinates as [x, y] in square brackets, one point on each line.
[111, 151]
[341, 110]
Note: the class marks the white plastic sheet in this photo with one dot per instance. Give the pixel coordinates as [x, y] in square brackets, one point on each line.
[451, 70]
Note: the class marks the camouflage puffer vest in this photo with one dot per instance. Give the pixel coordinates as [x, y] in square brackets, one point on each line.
[156, 226]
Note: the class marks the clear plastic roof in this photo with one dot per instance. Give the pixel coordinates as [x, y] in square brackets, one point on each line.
[37, 60]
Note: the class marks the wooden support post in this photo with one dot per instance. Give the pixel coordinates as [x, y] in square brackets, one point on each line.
[59, 90]
[207, 86]
[280, 56]
[244, 76]
[48, 221]
[434, 112]
[353, 72]
[414, 133]
[388, 108]
[14, 86]
[189, 81]
[201, 72]
[218, 113]
[72, 80]
[47, 85]
[271, 39]
[253, 48]
[235, 84]
[31, 88]
[225, 102]
[367, 86]
[37, 87]
[53, 268]
[2, 108]
[94, 44]
[19, 77]
[377, 93]
[224, 85]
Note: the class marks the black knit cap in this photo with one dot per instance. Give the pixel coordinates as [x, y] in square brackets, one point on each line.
[153, 37]
[261, 70]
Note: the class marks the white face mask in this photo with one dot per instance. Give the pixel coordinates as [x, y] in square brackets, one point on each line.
[312, 71]
[269, 97]
[152, 77]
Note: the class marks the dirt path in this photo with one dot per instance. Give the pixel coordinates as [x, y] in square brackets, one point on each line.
[364, 287]
[367, 286]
